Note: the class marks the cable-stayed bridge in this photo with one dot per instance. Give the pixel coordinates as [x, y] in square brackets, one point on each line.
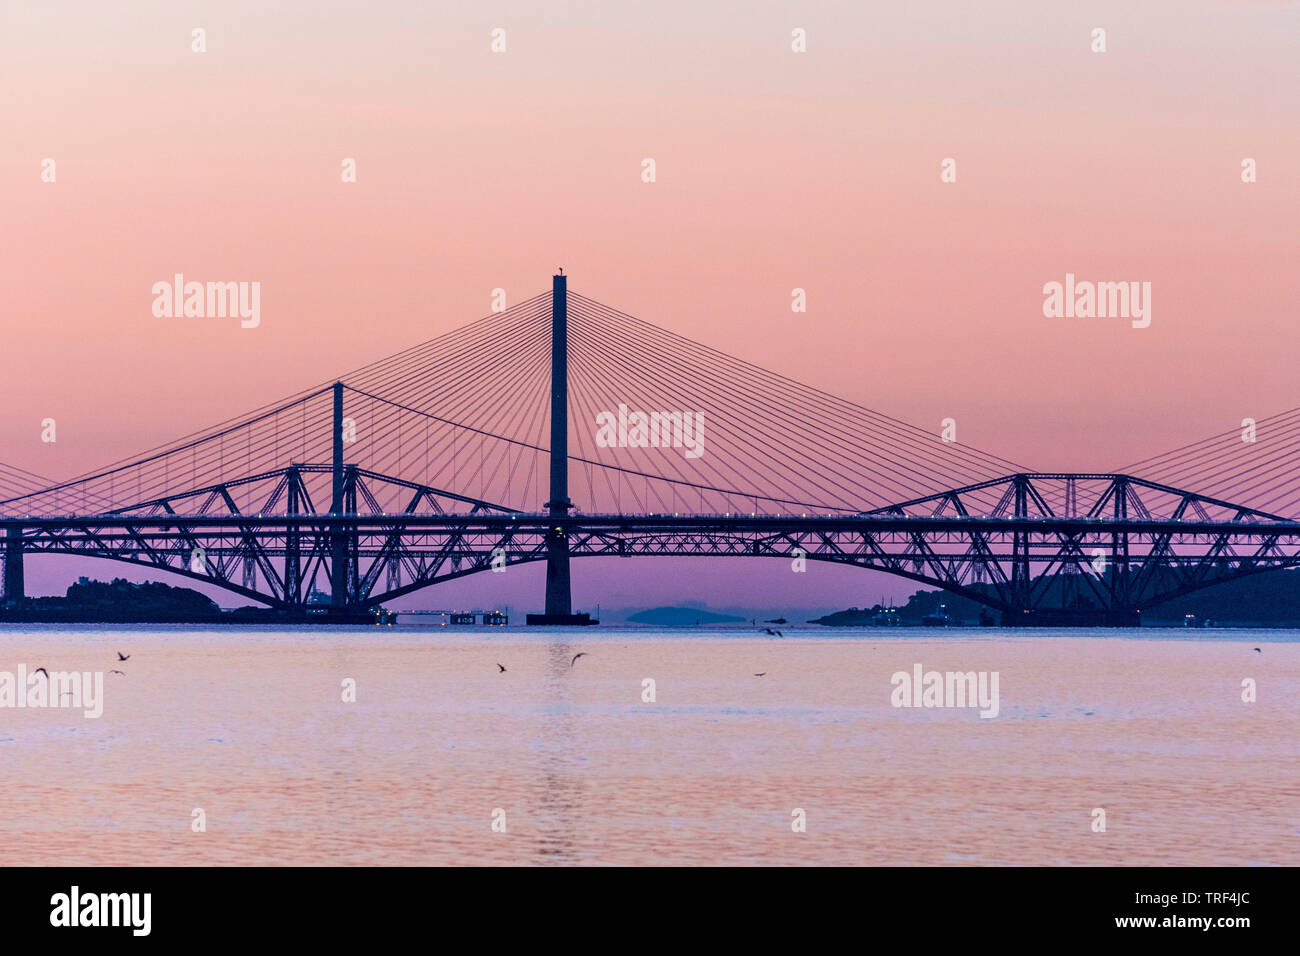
[563, 428]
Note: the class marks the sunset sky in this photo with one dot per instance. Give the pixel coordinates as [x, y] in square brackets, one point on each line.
[775, 170]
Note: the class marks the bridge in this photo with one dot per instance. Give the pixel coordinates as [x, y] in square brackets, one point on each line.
[466, 453]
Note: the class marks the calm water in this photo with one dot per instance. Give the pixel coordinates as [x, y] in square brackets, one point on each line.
[249, 725]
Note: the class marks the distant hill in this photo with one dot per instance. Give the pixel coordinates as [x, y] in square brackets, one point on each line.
[1271, 598]
[119, 601]
[1268, 599]
[853, 617]
[681, 617]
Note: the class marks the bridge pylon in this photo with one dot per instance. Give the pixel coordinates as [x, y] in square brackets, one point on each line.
[340, 556]
[14, 587]
[559, 591]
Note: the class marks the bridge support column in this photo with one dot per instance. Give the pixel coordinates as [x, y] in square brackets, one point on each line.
[1119, 558]
[338, 536]
[1020, 575]
[13, 573]
[352, 539]
[292, 545]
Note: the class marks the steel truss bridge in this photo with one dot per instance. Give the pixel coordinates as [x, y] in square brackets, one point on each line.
[348, 487]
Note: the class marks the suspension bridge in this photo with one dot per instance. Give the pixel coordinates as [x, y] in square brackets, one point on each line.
[479, 450]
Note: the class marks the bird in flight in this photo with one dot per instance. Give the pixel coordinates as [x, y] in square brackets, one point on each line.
[761, 675]
[42, 670]
[123, 673]
[576, 656]
[501, 668]
[1258, 651]
[123, 657]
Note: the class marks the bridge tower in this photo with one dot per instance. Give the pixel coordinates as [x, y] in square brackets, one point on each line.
[559, 592]
[292, 541]
[338, 537]
[13, 566]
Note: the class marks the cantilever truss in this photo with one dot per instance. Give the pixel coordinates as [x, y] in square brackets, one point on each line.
[263, 536]
[1107, 541]
[1023, 543]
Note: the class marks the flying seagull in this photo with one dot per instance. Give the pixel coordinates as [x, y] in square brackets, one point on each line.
[123, 657]
[501, 668]
[761, 675]
[42, 670]
[769, 630]
[1258, 651]
[123, 673]
[576, 656]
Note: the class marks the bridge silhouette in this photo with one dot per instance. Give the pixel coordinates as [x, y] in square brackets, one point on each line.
[467, 452]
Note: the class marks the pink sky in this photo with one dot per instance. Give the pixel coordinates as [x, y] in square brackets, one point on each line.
[775, 170]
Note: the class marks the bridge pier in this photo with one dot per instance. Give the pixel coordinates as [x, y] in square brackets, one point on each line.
[338, 538]
[1021, 579]
[351, 541]
[1119, 556]
[293, 544]
[14, 584]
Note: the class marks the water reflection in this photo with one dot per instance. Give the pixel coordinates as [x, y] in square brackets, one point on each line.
[561, 791]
